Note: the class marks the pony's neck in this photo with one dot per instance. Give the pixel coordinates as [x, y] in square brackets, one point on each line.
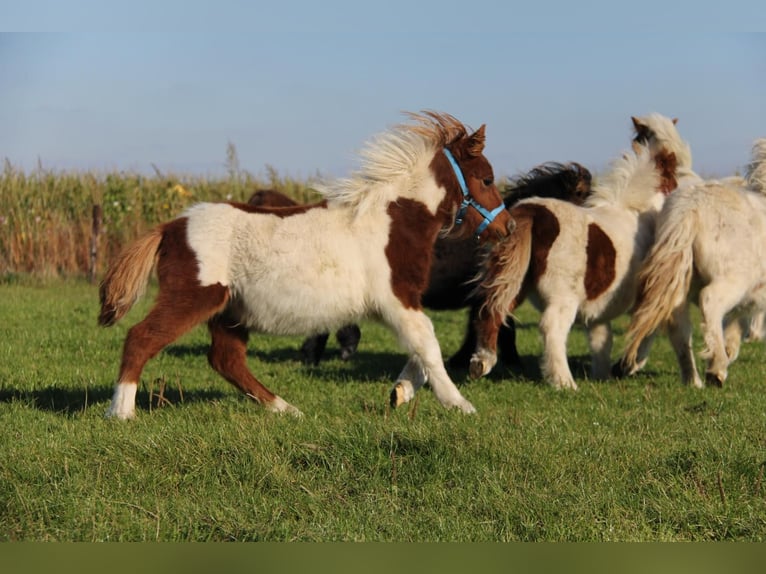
[687, 176]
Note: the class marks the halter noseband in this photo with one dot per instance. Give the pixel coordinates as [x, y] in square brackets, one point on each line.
[489, 216]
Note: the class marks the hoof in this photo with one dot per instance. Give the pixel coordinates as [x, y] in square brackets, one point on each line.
[565, 385]
[476, 368]
[120, 416]
[713, 380]
[400, 395]
[466, 408]
[281, 406]
[619, 371]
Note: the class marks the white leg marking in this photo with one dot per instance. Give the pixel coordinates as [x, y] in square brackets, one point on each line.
[123, 405]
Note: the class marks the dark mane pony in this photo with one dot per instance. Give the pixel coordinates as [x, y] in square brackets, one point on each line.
[456, 263]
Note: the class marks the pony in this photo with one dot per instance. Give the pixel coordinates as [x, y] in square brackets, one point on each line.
[293, 270]
[710, 248]
[456, 263]
[575, 262]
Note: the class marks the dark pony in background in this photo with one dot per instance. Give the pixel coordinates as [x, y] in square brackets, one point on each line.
[364, 252]
[456, 263]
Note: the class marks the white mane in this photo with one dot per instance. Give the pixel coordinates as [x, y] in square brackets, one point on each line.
[756, 169]
[394, 163]
[632, 183]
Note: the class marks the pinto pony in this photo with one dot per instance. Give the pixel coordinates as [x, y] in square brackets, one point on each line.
[294, 270]
[456, 263]
[575, 263]
[710, 247]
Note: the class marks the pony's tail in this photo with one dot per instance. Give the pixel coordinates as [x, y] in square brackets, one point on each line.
[756, 170]
[506, 267]
[663, 282]
[127, 277]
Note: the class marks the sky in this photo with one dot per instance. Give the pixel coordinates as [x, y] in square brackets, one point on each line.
[301, 86]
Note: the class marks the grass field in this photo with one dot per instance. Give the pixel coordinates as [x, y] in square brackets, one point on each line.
[640, 459]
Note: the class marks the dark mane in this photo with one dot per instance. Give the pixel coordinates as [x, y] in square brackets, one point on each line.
[569, 181]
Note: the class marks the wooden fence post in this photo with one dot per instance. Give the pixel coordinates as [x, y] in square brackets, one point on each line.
[95, 232]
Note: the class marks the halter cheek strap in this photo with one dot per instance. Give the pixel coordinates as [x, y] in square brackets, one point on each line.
[489, 216]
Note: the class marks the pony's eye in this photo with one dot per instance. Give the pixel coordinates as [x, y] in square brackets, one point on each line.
[487, 181]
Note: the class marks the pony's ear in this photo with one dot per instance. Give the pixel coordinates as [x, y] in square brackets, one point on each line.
[636, 122]
[675, 121]
[476, 141]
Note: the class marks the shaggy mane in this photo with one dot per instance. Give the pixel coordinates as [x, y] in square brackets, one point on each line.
[392, 155]
[632, 182]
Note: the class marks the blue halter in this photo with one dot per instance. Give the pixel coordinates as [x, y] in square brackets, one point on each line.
[489, 216]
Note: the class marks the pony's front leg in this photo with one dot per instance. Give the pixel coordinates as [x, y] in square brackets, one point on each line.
[412, 377]
[555, 324]
[600, 342]
[416, 332]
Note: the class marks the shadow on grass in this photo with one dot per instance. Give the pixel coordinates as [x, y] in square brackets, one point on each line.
[72, 402]
[362, 365]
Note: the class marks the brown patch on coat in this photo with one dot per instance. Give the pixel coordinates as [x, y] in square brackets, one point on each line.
[600, 266]
[666, 164]
[545, 230]
[286, 211]
[410, 249]
[181, 302]
[271, 198]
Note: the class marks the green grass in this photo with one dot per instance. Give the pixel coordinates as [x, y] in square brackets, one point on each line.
[640, 459]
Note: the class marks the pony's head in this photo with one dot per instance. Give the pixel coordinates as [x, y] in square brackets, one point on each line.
[571, 182]
[436, 162]
[659, 134]
[472, 205]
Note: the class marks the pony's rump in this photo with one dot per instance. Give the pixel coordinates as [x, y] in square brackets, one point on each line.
[126, 279]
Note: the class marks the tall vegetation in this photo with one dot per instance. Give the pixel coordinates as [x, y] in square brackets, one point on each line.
[46, 216]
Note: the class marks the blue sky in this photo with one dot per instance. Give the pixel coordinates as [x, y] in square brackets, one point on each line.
[301, 86]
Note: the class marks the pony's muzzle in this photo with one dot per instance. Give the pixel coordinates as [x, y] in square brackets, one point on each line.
[503, 229]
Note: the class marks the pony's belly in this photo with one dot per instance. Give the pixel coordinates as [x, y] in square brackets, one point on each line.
[294, 312]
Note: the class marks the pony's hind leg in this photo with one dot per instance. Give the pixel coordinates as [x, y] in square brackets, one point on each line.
[228, 357]
[715, 300]
[680, 335]
[172, 315]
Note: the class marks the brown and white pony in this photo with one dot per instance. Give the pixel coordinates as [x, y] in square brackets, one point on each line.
[294, 270]
[456, 262]
[575, 263]
[710, 248]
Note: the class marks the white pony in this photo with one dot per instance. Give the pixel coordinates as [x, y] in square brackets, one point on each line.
[575, 262]
[710, 247]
